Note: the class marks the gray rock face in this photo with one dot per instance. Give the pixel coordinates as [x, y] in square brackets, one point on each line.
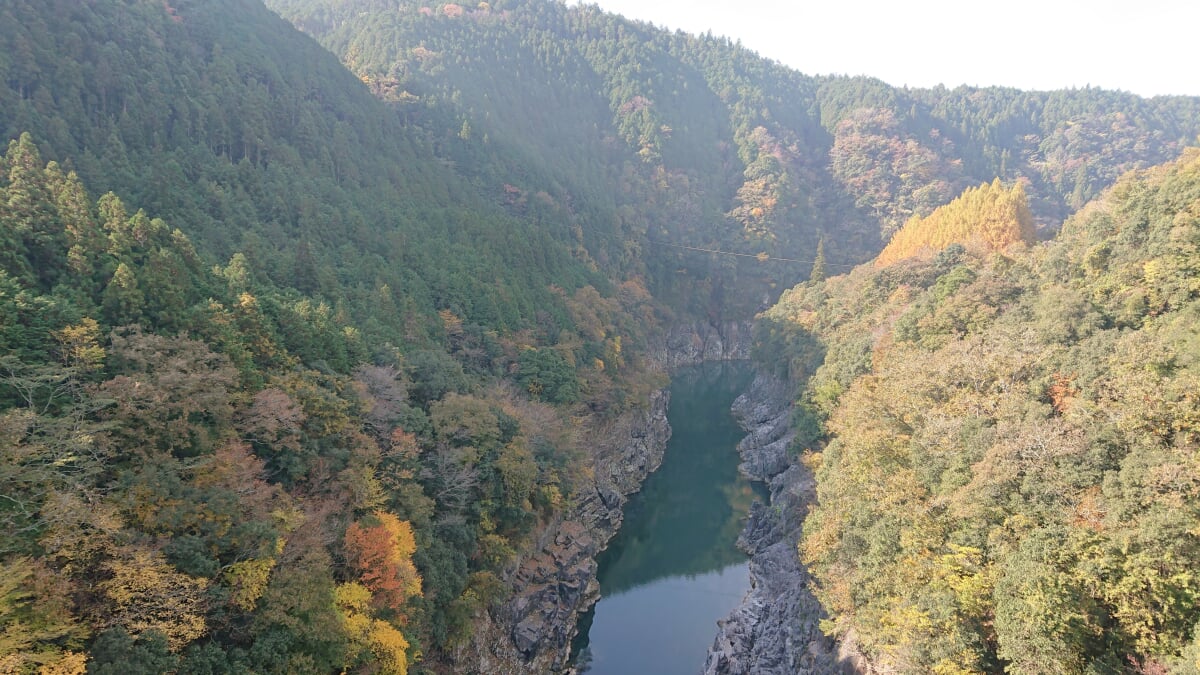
[689, 344]
[532, 631]
[764, 411]
[776, 628]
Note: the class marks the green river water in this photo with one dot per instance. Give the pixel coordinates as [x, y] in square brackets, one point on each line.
[673, 569]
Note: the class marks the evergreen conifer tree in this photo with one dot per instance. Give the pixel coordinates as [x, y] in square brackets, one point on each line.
[818, 269]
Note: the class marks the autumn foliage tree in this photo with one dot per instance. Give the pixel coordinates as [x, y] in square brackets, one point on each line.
[989, 217]
[148, 595]
[372, 641]
[380, 548]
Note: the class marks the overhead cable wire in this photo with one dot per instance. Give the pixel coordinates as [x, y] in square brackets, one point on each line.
[759, 256]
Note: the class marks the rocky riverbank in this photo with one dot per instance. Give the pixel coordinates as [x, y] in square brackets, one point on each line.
[775, 629]
[531, 632]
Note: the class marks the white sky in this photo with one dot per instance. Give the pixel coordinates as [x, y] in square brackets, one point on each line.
[1148, 47]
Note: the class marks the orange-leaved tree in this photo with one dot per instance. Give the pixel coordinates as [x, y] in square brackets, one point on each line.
[380, 548]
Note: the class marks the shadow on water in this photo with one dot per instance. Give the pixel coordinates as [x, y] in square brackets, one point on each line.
[674, 568]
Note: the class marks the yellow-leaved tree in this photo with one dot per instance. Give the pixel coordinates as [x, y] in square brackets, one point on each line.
[375, 640]
[988, 218]
[146, 593]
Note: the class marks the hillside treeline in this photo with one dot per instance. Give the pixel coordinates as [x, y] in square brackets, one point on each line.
[1005, 443]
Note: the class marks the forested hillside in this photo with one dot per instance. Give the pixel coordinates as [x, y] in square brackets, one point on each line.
[695, 140]
[1005, 444]
[255, 141]
[622, 124]
[282, 391]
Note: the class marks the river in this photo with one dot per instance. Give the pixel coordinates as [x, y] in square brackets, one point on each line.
[673, 569]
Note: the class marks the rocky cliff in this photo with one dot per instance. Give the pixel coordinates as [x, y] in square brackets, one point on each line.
[689, 344]
[531, 632]
[775, 629]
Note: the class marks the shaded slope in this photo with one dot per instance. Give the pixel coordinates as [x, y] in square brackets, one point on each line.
[251, 138]
[718, 148]
[674, 165]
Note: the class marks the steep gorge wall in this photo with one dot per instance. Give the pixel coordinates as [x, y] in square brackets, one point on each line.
[690, 344]
[776, 629]
[531, 631]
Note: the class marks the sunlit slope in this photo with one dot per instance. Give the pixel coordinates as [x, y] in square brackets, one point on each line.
[1005, 442]
[986, 218]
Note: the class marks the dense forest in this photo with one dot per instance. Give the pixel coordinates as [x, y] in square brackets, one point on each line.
[299, 357]
[1005, 443]
[311, 432]
[189, 485]
[698, 141]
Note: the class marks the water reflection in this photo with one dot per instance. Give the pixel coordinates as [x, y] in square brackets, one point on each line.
[674, 569]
